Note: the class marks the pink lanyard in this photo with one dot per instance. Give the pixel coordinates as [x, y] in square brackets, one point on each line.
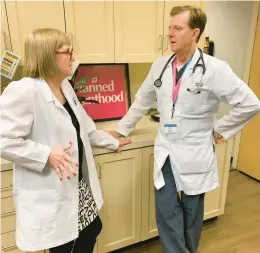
[176, 86]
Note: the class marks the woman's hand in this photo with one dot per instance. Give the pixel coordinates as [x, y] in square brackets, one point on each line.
[114, 134]
[60, 160]
[123, 143]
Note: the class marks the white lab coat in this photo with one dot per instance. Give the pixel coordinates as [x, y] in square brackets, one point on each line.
[191, 150]
[33, 121]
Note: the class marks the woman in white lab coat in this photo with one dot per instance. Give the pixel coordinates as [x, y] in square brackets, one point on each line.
[47, 134]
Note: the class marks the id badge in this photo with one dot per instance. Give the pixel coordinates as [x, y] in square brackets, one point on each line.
[170, 127]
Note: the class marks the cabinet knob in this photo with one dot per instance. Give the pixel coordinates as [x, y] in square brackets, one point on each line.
[71, 39]
[5, 43]
[166, 43]
[160, 42]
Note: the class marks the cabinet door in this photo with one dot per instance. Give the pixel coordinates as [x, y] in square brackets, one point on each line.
[215, 200]
[5, 36]
[9, 245]
[25, 16]
[120, 178]
[149, 228]
[92, 28]
[138, 30]
[167, 10]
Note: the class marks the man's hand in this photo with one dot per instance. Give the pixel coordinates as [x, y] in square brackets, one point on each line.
[218, 138]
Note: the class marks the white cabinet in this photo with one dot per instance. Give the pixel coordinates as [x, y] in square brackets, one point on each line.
[24, 16]
[8, 219]
[102, 31]
[91, 24]
[138, 30]
[141, 29]
[120, 177]
[9, 246]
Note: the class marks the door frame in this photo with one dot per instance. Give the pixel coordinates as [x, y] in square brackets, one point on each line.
[249, 54]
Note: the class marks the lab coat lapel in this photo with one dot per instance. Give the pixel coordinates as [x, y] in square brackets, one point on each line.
[188, 71]
[46, 91]
[48, 94]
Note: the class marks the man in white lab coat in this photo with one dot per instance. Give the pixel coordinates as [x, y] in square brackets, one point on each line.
[188, 94]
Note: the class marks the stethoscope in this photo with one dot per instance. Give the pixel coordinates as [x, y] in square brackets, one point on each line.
[198, 84]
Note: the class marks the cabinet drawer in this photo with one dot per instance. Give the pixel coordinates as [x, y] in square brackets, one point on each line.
[8, 223]
[6, 183]
[8, 243]
[7, 206]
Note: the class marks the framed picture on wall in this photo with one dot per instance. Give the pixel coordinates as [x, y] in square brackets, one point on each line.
[103, 90]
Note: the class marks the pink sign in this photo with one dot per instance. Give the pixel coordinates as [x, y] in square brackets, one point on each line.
[106, 86]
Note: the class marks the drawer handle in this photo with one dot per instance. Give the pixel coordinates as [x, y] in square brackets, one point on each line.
[99, 171]
[160, 42]
[4, 36]
[71, 39]
[7, 188]
[9, 247]
[7, 213]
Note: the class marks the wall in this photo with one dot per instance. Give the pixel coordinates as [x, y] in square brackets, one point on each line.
[5, 81]
[228, 26]
[137, 74]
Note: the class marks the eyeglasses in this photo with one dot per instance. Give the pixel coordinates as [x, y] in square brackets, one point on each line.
[70, 53]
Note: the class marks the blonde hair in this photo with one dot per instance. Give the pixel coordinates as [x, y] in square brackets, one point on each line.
[198, 17]
[39, 53]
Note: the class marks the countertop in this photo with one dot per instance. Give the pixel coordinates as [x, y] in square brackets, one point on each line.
[5, 165]
[143, 136]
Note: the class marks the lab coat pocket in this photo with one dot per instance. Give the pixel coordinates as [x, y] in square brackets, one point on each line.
[195, 159]
[42, 214]
[194, 103]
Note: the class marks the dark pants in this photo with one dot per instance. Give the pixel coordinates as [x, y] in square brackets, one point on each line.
[179, 221]
[86, 241]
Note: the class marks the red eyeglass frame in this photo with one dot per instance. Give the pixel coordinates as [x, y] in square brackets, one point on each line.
[70, 53]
